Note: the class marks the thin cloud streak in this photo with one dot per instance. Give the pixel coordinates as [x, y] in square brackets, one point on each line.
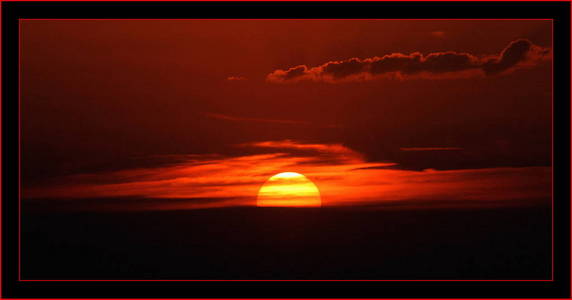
[256, 120]
[431, 149]
[236, 78]
[271, 121]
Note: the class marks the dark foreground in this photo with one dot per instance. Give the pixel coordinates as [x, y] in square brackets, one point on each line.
[282, 243]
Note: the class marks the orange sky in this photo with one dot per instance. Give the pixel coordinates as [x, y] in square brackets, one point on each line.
[374, 112]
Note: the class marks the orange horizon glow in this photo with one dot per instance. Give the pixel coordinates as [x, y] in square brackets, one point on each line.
[289, 189]
[344, 177]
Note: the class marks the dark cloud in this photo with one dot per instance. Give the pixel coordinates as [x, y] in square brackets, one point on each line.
[345, 68]
[516, 52]
[448, 64]
[295, 72]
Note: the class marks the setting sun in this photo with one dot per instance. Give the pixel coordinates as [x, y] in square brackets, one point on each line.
[289, 189]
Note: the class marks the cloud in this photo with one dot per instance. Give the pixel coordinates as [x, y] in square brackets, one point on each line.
[437, 65]
[438, 34]
[431, 149]
[217, 181]
[236, 78]
[256, 120]
[519, 51]
[289, 144]
[316, 154]
[272, 121]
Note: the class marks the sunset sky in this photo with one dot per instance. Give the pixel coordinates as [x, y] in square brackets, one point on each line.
[185, 114]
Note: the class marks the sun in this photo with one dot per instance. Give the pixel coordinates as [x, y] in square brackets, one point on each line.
[289, 189]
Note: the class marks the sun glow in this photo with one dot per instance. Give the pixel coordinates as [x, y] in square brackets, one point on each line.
[289, 189]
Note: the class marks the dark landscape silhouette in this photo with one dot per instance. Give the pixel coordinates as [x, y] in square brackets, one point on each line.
[289, 243]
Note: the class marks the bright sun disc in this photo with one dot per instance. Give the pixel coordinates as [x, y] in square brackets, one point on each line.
[289, 189]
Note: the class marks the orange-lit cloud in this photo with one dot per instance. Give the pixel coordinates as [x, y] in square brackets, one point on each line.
[437, 65]
[337, 149]
[215, 181]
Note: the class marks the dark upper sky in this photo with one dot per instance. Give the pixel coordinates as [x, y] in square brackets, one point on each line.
[102, 95]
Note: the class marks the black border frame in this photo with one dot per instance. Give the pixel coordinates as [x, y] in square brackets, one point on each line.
[558, 11]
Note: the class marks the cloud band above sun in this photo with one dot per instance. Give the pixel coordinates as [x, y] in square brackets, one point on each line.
[437, 65]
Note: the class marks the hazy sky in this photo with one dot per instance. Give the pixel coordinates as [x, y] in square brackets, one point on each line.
[460, 98]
